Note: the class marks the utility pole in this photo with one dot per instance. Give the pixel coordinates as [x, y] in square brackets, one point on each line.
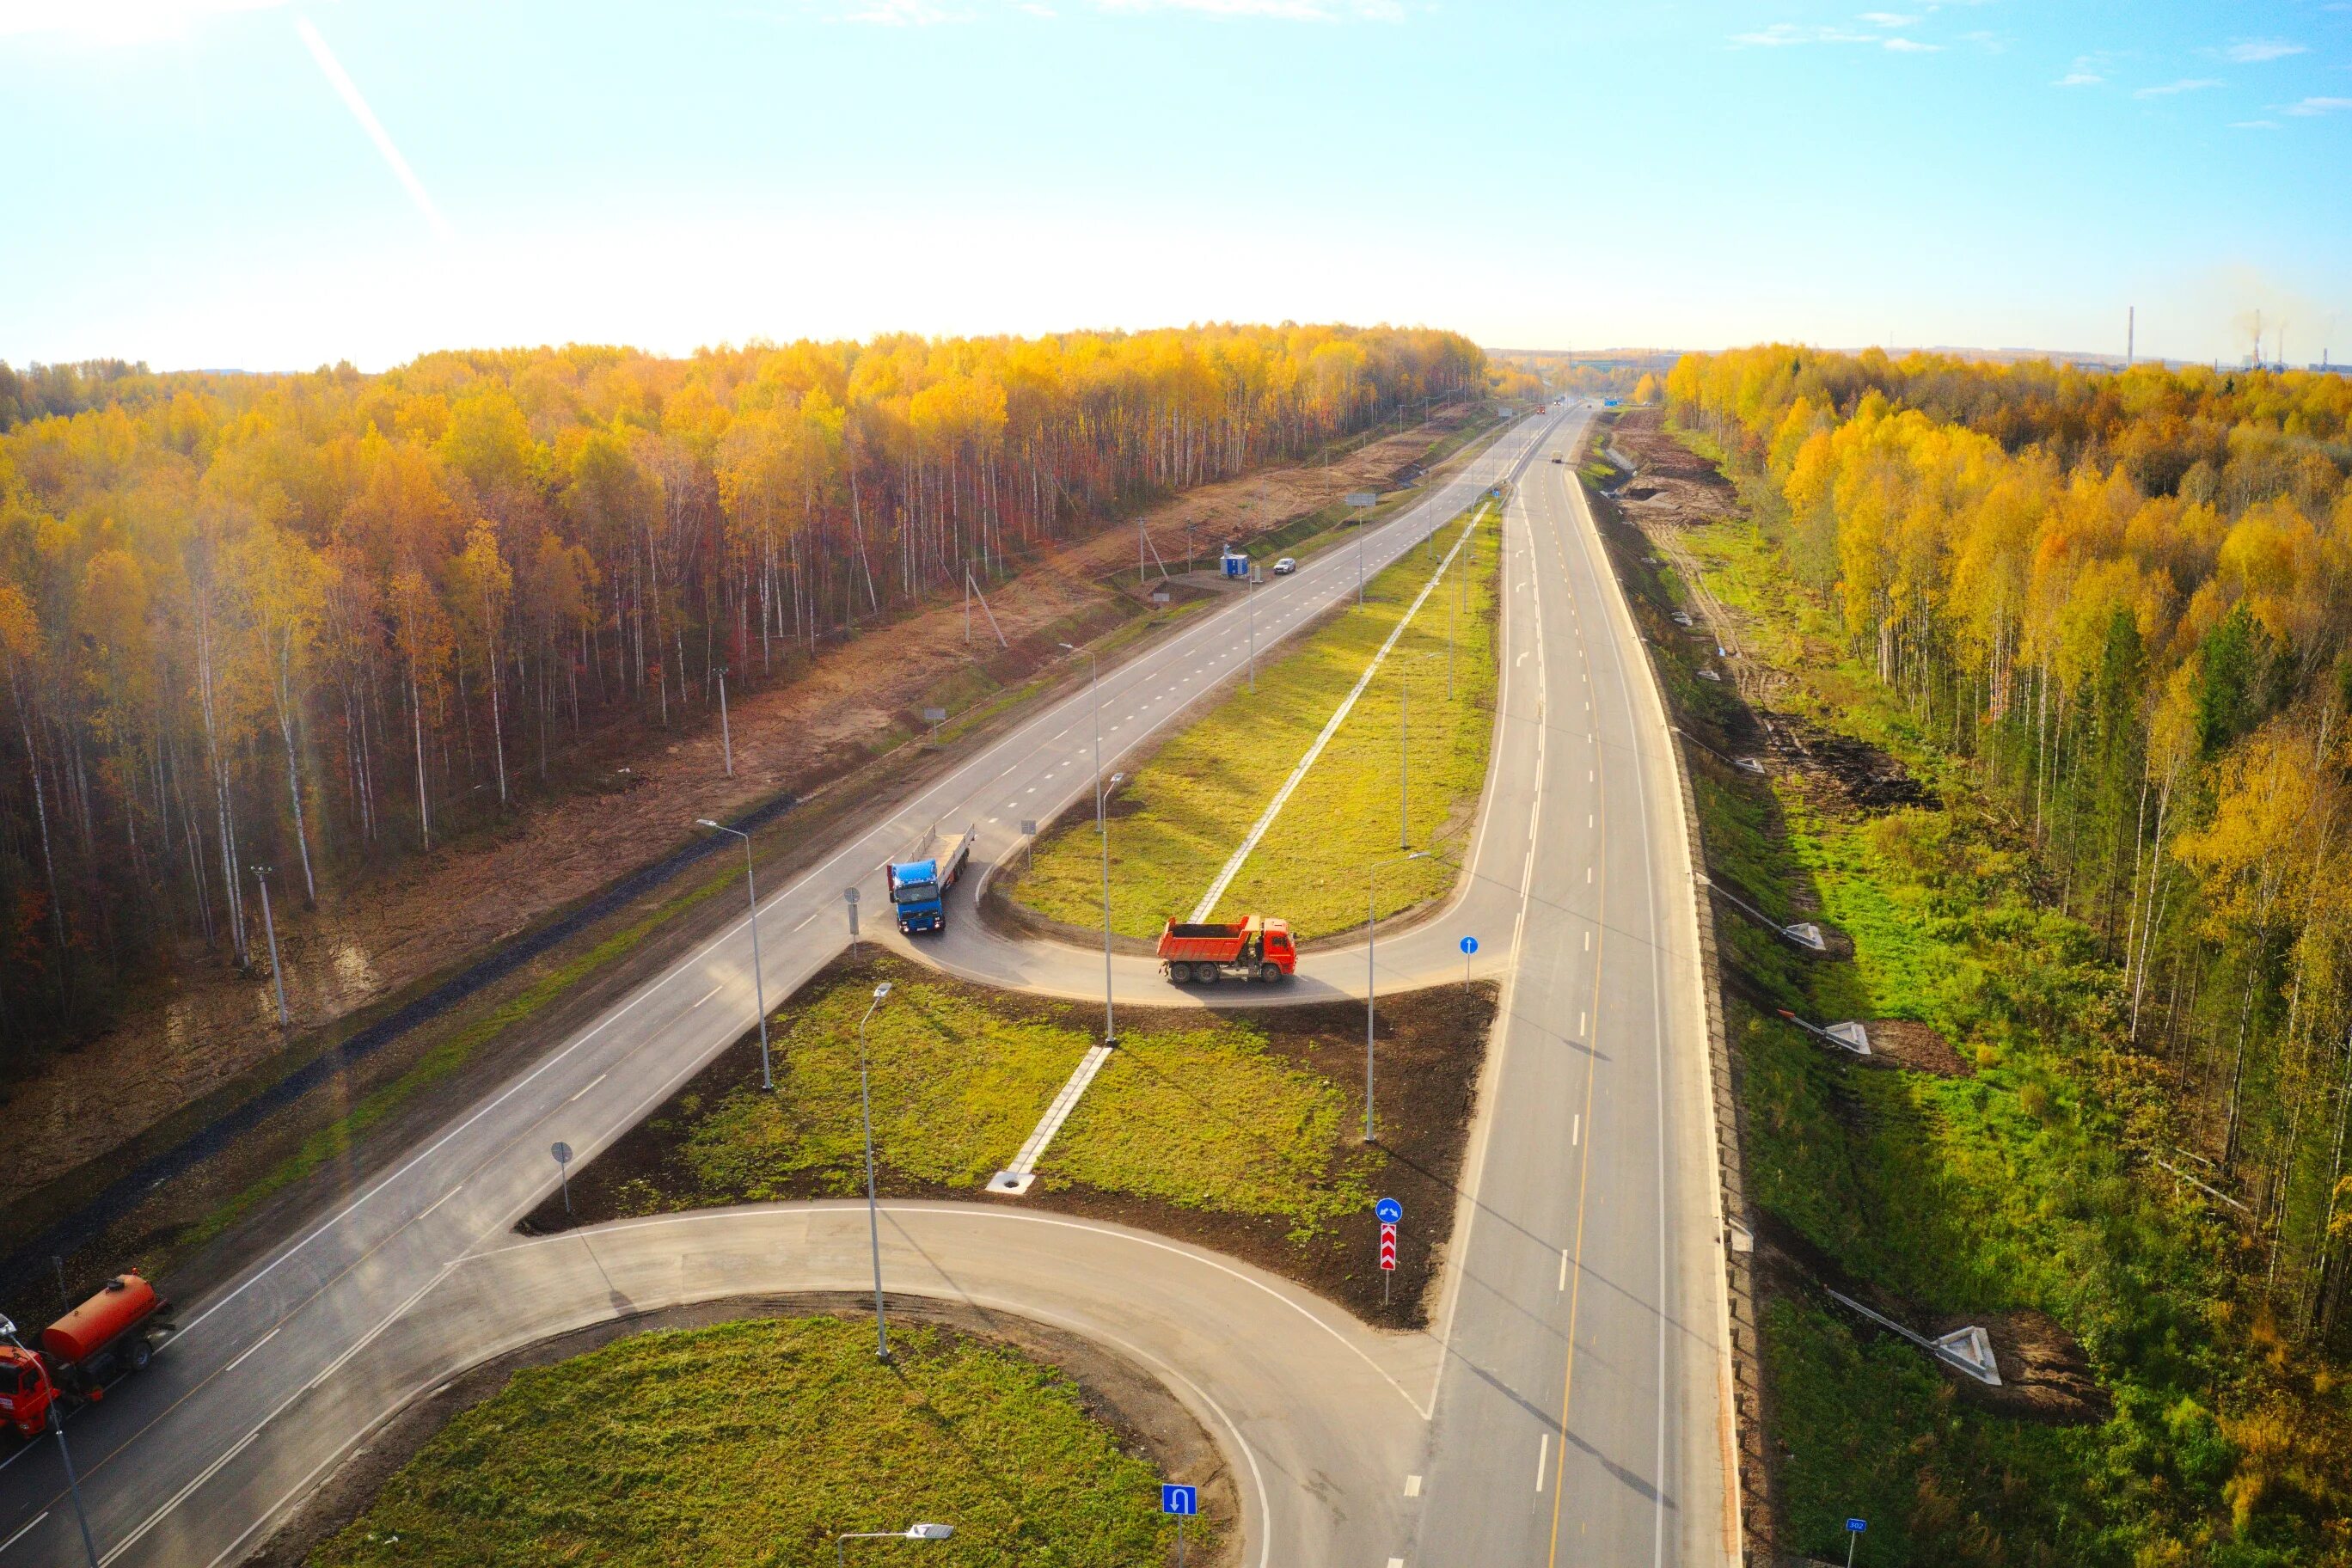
[2131, 330]
[277, 974]
[726, 735]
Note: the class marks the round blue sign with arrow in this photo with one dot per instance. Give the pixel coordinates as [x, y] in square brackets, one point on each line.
[1390, 1210]
[1469, 946]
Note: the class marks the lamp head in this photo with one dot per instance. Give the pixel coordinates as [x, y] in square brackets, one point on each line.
[704, 822]
[929, 1531]
[881, 991]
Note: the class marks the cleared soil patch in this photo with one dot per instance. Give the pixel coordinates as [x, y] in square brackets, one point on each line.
[1239, 1131]
[1902, 1042]
[754, 1432]
[1674, 485]
[1870, 781]
[1191, 803]
[2045, 1374]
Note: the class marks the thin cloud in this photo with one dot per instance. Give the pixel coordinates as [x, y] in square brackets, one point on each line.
[1785, 35]
[1889, 19]
[1280, 10]
[117, 21]
[2310, 107]
[348, 90]
[2080, 79]
[2186, 84]
[2254, 125]
[2255, 51]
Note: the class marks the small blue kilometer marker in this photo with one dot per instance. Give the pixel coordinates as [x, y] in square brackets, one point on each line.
[1183, 1502]
[1854, 1527]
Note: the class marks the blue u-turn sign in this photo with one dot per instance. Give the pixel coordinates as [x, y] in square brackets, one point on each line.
[1183, 1501]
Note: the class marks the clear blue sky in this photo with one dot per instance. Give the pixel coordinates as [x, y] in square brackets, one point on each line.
[187, 184]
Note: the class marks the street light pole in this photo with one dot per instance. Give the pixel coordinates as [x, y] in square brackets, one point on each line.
[759, 987]
[269, 926]
[1102, 832]
[1256, 576]
[1371, 936]
[873, 1218]
[1404, 749]
[58, 1426]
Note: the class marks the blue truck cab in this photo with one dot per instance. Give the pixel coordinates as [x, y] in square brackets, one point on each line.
[920, 884]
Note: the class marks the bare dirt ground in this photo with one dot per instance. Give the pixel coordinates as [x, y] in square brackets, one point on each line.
[370, 939]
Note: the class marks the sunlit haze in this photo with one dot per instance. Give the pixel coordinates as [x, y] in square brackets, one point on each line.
[252, 185]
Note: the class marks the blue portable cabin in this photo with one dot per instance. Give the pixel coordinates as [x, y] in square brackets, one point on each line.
[1233, 563]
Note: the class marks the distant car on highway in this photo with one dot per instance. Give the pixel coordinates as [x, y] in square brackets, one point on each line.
[1285, 566]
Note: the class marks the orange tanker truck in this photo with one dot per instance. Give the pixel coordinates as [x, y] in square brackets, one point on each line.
[1251, 949]
[114, 1331]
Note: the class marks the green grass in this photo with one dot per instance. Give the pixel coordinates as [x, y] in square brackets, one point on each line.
[2026, 1186]
[756, 1443]
[1200, 1117]
[1190, 804]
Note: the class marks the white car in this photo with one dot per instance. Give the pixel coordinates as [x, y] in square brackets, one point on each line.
[1285, 566]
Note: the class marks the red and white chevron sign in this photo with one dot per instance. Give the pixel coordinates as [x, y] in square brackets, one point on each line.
[1388, 1246]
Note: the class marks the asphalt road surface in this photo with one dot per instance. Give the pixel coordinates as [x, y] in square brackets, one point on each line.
[1592, 1223]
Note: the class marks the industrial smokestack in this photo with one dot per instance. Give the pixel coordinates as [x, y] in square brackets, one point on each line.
[2131, 330]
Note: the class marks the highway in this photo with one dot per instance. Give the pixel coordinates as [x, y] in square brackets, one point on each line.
[1592, 1224]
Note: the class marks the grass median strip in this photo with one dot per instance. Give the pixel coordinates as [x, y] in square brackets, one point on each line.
[1190, 804]
[757, 1442]
[1236, 1130]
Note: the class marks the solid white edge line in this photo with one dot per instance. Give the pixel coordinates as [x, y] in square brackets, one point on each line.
[29, 1527]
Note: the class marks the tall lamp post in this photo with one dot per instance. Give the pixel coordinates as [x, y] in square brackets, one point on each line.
[269, 926]
[758, 987]
[58, 1426]
[1405, 730]
[873, 1216]
[912, 1533]
[1372, 934]
[1102, 831]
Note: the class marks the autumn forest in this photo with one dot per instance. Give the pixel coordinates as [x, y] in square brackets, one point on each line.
[2124, 599]
[327, 620]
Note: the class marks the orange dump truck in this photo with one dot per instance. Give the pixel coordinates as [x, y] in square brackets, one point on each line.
[114, 1331]
[1252, 949]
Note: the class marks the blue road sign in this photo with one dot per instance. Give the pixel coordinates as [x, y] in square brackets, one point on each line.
[1857, 1525]
[1469, 946]
[1184, 1501]
[1390, 1210]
